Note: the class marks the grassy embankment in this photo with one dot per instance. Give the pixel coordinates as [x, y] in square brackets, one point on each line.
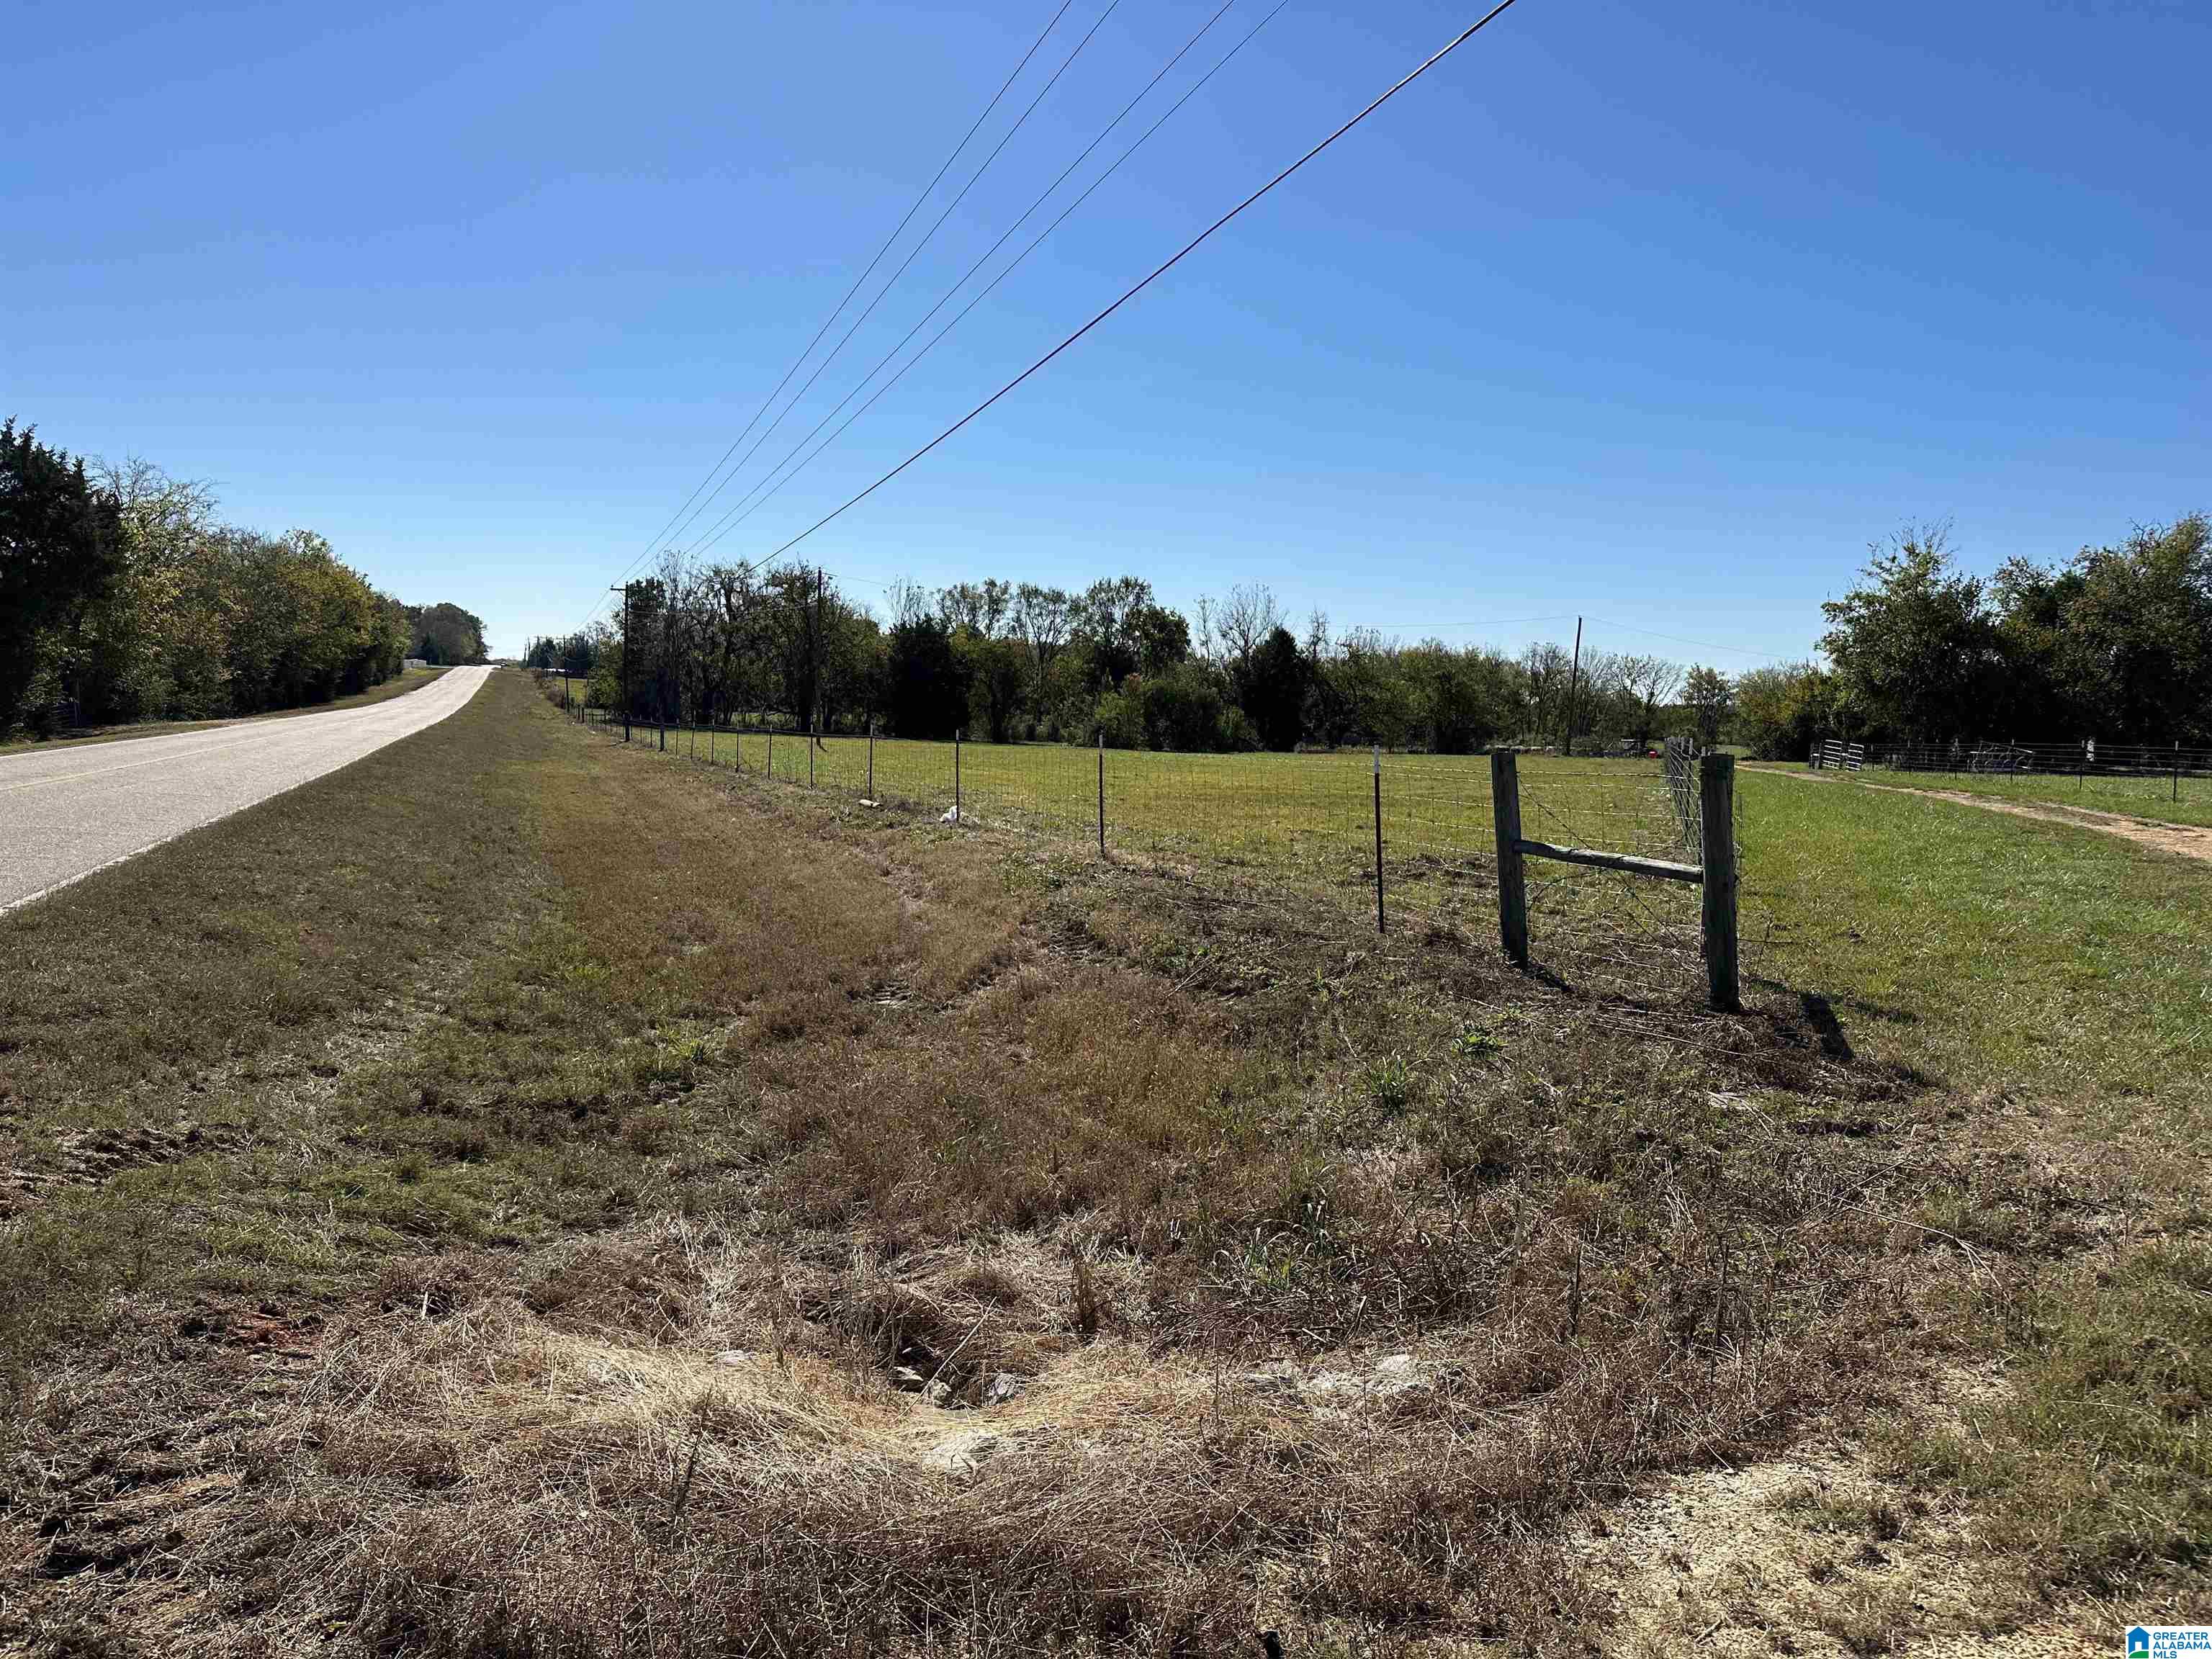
[398, 685]
[479, 1202]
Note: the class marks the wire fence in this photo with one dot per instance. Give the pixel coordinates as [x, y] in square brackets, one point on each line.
[2094, 774]
[1402, 841]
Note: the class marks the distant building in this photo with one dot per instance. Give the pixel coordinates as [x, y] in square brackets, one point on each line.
[415, 662]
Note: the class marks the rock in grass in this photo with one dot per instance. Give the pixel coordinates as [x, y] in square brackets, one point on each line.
[938, 1395]
[962, 1454]
[1002, 1387]
[907, 1378]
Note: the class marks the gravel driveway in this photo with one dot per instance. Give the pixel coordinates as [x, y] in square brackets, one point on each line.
[65, 812]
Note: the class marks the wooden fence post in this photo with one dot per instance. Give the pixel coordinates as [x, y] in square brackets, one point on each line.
[1101, 794]
[871, 757]
[955, 775]
[1716, 810]
[1512, 881]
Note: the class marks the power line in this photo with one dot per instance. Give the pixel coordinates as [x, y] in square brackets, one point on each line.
[1158, 271]
[896, 231]
[730, 521]
[912, 255]
[739, 510]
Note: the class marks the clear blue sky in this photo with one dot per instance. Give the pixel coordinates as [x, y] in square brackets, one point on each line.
[1659, 312]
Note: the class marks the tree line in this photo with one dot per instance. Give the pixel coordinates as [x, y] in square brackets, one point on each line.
[2114, 644]
[122, 596]
[1020, 662]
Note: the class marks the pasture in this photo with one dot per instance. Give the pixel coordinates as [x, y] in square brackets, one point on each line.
[2166, 798]
[520, 1190]
[1303, 823]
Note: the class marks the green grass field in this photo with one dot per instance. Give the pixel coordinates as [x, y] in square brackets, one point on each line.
[2166, 800]
[2112, 925]
[1306, 821]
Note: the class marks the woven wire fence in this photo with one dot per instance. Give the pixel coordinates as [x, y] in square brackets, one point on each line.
[1630, 933]
[1302, 828]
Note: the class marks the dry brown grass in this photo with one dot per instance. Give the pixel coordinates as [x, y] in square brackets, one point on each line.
[561, 1309]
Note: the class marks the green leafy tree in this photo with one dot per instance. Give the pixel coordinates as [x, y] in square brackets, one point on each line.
[925, 690]
[1781, 712]
[1709, 696]
[1916, 650]
[61, 554]
[1272, 690]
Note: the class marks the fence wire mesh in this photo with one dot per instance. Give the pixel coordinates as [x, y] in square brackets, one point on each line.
[1633, 934]
[1302, 828]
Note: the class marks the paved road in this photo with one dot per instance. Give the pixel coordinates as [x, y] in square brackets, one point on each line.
[66, 813]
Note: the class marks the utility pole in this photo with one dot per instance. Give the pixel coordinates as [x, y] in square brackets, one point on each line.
[1574, 681]
[814, 670]
[624, 591]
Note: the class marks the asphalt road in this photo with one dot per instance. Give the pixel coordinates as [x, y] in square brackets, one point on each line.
[67, 811]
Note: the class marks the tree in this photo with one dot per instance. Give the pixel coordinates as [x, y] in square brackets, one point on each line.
[994, 671]
[61, 552]
[1159, 637]
[1916, 649]
[1272, 690]
[1039, 618]
[1245, 620]
[2134, 649]
[1709, 698]
[925, 690]
[979, 607]
[1653, 681]
[445, 634]
[1781, 712]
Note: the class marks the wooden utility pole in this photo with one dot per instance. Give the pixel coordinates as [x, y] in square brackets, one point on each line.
[1574, 680]
[624, 591]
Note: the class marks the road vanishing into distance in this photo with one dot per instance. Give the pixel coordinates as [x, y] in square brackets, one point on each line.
[69, 811]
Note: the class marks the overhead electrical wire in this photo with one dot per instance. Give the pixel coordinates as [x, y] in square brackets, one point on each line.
[738, 510]
[1702, 645]
[1157, 271]
[892, 282]
[741, 511]
[898, 230]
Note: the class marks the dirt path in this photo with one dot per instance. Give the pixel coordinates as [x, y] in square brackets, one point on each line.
[2185, 841]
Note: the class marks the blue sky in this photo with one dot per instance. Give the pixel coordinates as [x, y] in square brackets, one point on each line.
[1658, 313]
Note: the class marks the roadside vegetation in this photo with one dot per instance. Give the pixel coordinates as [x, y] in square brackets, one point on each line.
[409, 679]
[520, 1195]
[124, 598]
